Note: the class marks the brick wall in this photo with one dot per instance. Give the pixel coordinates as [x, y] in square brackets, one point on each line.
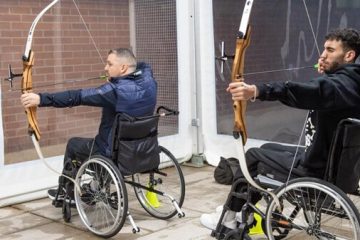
[63, 51]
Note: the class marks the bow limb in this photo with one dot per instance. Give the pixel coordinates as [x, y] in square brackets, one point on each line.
[26, 83]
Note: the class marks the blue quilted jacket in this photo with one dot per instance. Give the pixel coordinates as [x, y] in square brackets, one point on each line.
[134, 94]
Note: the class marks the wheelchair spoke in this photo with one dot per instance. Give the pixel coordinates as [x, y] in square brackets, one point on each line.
[312, 210]
[101, 189]
[157, 189]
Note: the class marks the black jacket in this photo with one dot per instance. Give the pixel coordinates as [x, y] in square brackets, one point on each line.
[134, 94]
[330, 98]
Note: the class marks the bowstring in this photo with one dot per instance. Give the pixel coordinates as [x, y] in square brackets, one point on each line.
[88, 31]
[308, 113]
[97, 50]
[311, 27]
[36, 144]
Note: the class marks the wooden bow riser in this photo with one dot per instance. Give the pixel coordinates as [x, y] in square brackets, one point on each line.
[26, 83]
[236, 73]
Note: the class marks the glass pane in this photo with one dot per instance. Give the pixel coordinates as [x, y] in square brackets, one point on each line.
[281, 39]
[155, 28]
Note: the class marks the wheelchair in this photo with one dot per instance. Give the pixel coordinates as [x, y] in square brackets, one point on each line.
[310, 208]
[100, 191]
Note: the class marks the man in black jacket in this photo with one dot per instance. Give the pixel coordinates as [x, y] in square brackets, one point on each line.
[333, 96]
[130, 89]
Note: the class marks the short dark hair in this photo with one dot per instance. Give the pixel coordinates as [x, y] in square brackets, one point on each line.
[125, 53]
[349, 37]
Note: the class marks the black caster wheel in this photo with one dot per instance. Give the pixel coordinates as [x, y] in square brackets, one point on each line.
[66, 212]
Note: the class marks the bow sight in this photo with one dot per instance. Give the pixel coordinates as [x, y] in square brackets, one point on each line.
[224, 57]
[12, 76]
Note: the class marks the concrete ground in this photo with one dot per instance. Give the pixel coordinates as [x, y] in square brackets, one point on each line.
[40, 220]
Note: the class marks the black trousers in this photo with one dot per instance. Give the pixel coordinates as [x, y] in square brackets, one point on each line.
[80, 149]
[273, 155]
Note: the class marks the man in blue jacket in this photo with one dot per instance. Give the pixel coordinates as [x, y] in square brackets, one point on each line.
[333, 96]
[130, 88]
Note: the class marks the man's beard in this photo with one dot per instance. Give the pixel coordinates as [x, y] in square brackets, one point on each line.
[332, 68]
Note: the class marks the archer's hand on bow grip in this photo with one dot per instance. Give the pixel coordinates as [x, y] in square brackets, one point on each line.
[239, 118]
[26, 85]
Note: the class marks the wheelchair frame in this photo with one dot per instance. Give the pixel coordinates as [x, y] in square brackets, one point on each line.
[311, 208]
[102, 201]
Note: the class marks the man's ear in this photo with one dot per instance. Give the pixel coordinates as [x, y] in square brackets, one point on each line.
[124, 68]
[349, 56]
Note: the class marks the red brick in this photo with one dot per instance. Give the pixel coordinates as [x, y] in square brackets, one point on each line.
[63, 51]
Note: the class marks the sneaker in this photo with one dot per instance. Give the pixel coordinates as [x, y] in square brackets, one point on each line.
[52, 195]
[219, 208]
[250, 218]
[87, 195]
[238, 216]
[211, 220]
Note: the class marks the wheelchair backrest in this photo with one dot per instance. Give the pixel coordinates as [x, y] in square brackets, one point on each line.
[135, 143]
[343, 167]
[128, 127]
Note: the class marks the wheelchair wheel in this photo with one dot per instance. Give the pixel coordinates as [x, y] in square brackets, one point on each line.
[355, 198]
[312, 209]
[168, 182]
[102, 203]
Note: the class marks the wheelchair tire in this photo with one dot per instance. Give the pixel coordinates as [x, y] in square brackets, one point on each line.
[168, 181]
[312, 209]
[102, 203]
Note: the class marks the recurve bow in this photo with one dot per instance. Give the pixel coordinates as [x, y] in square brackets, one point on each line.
[242, 42]
[26, 82]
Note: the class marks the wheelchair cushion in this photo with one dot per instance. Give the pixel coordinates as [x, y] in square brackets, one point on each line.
[277, 173]
[135, 143]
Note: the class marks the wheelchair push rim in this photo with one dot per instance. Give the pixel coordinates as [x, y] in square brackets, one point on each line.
[312, 209]
[102, 203]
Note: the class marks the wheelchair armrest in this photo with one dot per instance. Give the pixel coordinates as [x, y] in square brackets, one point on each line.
[268, 182]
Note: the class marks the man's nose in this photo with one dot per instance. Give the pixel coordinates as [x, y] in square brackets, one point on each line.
[323, 55]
